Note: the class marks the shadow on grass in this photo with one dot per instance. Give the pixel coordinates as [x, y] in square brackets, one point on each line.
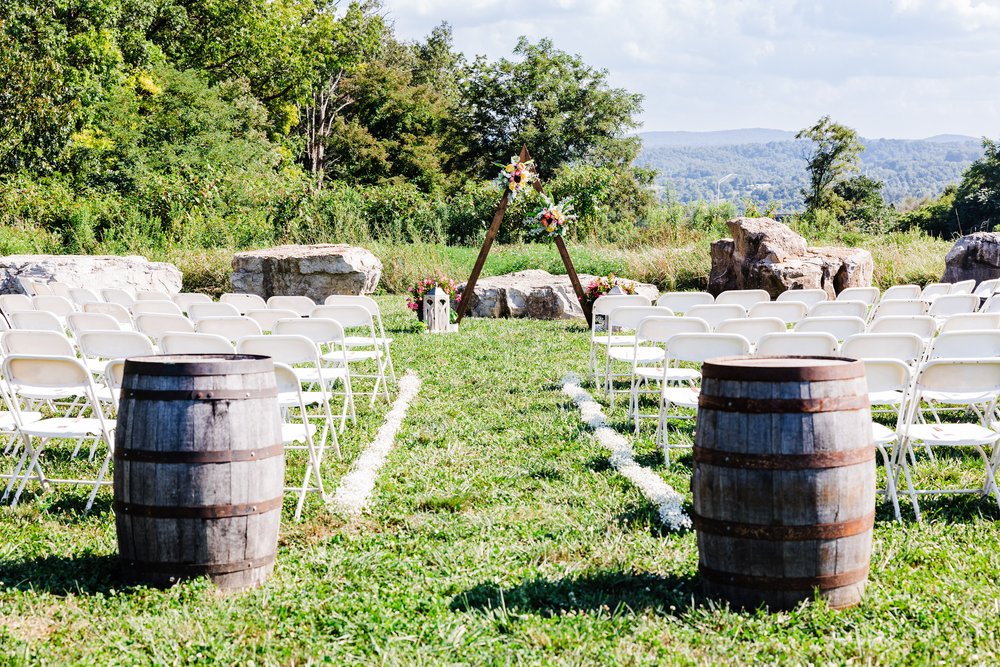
[74, 508]
[63, 575]
[610, 592]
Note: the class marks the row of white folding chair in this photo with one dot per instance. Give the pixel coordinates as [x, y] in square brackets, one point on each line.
[602, 335]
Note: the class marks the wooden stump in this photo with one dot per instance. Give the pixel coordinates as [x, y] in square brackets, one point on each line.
[199, 469]
[784, 481]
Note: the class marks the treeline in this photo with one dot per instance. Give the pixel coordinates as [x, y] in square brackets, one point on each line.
[127, 125]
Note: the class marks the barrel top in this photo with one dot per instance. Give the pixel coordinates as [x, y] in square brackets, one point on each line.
[783, 369]
[198, 364]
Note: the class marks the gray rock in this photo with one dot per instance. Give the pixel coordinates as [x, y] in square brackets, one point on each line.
[94, 272]
[315, 271]
[765, 254]
[534, 294]
[975, 257]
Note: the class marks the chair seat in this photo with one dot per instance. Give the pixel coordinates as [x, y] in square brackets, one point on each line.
[291, 433]
[615, 340]
[66, 427]
[672, 375]
[684, 397]
[643, 355]
[958, 397]
[890, 397]
[353, 355]
[110, 396]
[882, 434]
[307, 375]
[365, 341]
[952, 434]
[48, 393]
[290, 399]
[7, 420]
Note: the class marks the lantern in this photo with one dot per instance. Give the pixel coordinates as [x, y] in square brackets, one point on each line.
[437, 311]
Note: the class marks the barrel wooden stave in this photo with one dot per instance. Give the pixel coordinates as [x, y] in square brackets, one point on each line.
[162, 549]
[774, 564]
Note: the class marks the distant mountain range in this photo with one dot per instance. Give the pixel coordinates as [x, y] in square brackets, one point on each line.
[770, 165]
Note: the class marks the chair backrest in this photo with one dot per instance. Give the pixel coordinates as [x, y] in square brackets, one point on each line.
[116, 310]
[286, 380]
[33, 287]
[605, 304]
[152, 295]
[201, 310]
[114, 373]
[963, 287]
[967, 376]
[970, 321]
[901, 292]
[37, 320]
[899, 308]
[954, 304]
[751, 328]
[321, 331]
[716, 313]
[302, 305]
[59, 306]
[839, 308]
[119, 296]
[353, 299]
[810, 297]
[80, 322]
[151, 307]
[743, 297]
[185, 299]
[840, 327]
[905, 347]
[194, 343]
[57, 288]
[230, 328]
[155, 325]
[349, 315]
[867, 294]
[40, 343]
[41, 288]
[922, 325]
[82, 295]
[966, 345]
[243, 302]
[799, 344]
[888, 375]
[268, 318]
[992, 305]
[628, 317]
[114, 344]
[661, 328]
[283, 348]
[788, 312]
[28, 370]
[986, 288]
[697, 347]
[679, 302]
[12, 303]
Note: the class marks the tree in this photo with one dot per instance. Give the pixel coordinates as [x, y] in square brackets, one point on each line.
[834, 156]
[978, 198]
[863, 205]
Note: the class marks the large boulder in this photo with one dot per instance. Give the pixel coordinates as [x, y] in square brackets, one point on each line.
[315, 271]
[976, 257]
[535, 294]
[94, 272]
[765, 254]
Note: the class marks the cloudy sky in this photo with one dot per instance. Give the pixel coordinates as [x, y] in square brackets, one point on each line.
[888, 68]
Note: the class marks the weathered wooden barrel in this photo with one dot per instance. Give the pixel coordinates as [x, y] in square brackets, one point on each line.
[784, 481]
[199, 469]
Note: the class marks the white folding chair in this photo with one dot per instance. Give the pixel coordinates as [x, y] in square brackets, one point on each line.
[889, 379]
[59, 306]
[194, 343]
[37, 320]
[798, 344]
[899, 308]
[906, 347]
[57, 288]
[201, 310]
[901, 292]
[944, 376]
[185, 299]
[932, 291]
[986, 288]
[230, 328]
[787, 311]
[99, 347]
[302, 305]
[810, 297]
[82, 296]
[752, 328]
[151, 307]
[243, 302]
[42, 344]
[27, 375]
[31, 287]
[80, 322]
[118, 296]
[991, 305]
[679, 302]
[601, 337]
[840, 327]
[840, 308]
[921, 325]
[298, 432]
[267, 318]
[372, 306]
[152, 295]
[12, 303]
[971, 321]
[361, 339]
[743, 297]
[626, 319]
[962, 345]
[963, 287]
[948, 305]
[155, 325]
[869, 295]
[717, 313]
[692, 348]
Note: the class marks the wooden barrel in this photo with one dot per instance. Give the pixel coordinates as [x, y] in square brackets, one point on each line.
[199, 469]
[784, 481]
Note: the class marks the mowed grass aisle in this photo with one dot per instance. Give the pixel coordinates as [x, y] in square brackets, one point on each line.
[498, 534]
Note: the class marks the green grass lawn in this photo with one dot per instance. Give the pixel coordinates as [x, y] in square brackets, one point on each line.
[498, 534]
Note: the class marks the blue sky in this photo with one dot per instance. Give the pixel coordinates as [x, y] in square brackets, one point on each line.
[888, 68]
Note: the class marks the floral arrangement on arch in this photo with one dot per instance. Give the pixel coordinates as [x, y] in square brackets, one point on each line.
[553, 218]
[604, 284]
[415, 295]
[516, 175]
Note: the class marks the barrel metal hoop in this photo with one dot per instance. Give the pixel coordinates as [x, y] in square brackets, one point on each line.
[183, 365]
[197, 569]
[783, 405]
[771, 533]
[199, 394]
[822, 582]
[816, 460]
[210, 456]
[755, 369]
[198, 512]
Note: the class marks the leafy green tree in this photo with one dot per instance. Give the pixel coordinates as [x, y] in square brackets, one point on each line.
[834, 156]
[863, 205]
[977, 201]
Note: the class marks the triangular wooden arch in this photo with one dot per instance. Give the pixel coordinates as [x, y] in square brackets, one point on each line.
[470, 286]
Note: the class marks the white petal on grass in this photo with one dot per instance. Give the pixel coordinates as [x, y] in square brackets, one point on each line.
[356, 488]
[667, 501]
